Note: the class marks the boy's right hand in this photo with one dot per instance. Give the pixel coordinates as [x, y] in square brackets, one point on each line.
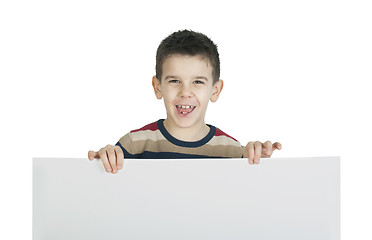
[112, 157]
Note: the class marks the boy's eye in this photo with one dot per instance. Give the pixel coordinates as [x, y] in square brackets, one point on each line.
[198, 82]
[174, 81]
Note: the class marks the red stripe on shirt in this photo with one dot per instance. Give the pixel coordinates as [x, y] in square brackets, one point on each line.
[220, 133]
[152, 126]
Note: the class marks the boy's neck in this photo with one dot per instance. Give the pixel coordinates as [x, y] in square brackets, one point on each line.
[187, 134]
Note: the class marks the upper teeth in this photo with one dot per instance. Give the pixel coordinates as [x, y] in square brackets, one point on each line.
[185, 106]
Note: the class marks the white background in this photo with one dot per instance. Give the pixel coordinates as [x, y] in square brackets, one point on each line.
[76, 75]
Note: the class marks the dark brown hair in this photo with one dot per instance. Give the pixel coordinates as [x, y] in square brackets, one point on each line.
[187, 42]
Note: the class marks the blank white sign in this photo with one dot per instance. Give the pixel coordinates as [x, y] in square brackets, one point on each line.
[281, 198]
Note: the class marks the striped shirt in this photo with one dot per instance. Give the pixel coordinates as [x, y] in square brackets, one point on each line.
[154, 141]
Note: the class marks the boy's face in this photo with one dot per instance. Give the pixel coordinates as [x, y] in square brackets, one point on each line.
[186, 86]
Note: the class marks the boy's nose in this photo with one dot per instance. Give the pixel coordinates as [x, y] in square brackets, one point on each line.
[186, 92]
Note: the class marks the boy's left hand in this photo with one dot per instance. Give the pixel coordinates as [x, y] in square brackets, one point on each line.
[255, 150]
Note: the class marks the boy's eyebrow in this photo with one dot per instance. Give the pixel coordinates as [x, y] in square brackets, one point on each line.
[170, 76]
[196, 77]
[201, 77]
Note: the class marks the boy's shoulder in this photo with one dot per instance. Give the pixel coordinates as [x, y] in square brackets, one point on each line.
[151, 126]
[219, 132]
[221, 138]
[150, 131]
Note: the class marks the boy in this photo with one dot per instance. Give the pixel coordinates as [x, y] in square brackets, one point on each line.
[187, 78]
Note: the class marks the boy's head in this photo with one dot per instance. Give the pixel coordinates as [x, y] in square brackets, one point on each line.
[188, 43]
[187, 78]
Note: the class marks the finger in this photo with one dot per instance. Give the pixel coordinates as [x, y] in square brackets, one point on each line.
[92, 155]
[250, 149]
[257, 152]
[268, 148]
[103, 156]
[277, 145]
[119, 157]
[112, 158]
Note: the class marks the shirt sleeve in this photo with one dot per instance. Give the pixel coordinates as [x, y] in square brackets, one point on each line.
[125, 143]
[242, 150]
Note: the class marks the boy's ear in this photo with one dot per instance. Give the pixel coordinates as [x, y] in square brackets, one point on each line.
[217, 88]
[157, 88]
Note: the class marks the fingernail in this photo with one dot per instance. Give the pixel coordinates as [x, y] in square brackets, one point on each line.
[119, 167]
[108, 170]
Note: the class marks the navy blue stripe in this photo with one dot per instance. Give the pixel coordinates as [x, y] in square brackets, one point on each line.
[160, 155]
[126, 153]
[171, 155]
[177, 142]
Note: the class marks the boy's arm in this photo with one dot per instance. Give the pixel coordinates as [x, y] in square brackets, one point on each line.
[255, 150]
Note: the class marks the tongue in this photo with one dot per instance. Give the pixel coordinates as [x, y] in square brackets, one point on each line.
[184, 109]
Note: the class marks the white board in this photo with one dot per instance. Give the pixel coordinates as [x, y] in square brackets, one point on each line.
[281, 198]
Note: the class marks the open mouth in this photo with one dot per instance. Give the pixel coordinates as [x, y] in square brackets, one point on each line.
[185, 110]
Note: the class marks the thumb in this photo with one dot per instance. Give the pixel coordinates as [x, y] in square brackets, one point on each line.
[92, 155]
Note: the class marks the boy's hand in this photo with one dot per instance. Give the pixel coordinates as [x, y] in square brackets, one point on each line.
[112, 157]
[255, 150]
